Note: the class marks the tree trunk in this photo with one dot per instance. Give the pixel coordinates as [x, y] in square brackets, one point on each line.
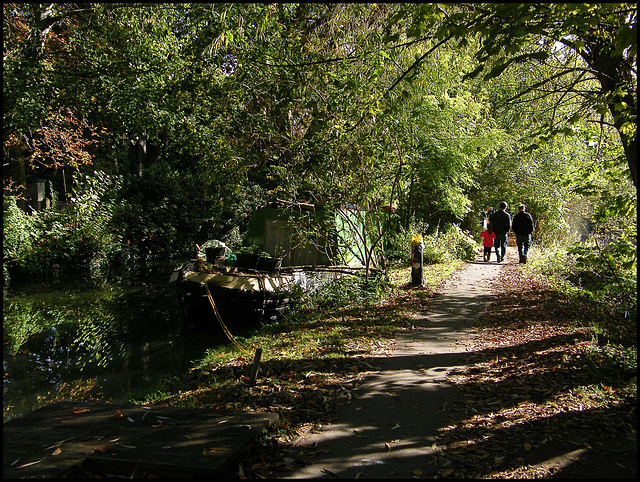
[617, 84]
[631, 152]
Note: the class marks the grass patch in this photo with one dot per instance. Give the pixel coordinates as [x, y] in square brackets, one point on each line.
[318, 344]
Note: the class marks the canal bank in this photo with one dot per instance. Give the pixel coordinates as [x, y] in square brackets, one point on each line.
[88, 340]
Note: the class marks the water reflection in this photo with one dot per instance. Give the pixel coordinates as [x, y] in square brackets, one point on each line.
[89, 341]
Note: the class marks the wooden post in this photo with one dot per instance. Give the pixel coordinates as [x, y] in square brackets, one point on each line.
[254, 367]
[417, 263]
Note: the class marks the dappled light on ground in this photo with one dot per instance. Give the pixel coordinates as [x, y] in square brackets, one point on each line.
[539, 401]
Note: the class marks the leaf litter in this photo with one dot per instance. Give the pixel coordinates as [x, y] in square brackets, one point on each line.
[535, 393]
[537, 386]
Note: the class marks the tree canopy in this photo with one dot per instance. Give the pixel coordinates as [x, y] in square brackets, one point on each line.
[202, 112]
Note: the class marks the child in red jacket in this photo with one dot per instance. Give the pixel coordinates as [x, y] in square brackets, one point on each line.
[488, 238]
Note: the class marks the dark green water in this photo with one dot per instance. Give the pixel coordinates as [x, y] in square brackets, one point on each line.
[84, 340]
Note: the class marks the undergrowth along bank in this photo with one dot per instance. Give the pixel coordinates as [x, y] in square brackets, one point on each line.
[320, 344]
[345, 320]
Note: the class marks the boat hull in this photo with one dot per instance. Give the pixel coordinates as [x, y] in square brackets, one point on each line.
[242, 299]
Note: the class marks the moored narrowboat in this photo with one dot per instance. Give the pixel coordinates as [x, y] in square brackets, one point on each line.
[240, 296]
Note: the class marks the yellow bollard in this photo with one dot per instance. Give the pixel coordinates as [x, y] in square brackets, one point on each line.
[417, 262]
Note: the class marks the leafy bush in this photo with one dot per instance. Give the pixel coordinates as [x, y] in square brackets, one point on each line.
[396, 246]
[614, 362]
[452, 243]
[433, 253]
[444, 245]
[588, 273]
[18, 237]
[606, 264]
[50, 243]
[346, 291]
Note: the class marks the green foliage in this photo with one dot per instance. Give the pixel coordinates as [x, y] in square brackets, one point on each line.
[449, 244]
[253, 249]
[606, 264]
[344, 292]
[50, 243]
[387, 116]
[159, 215]
[606, 255]
[114, 224]
[614, 363]
[441, 246]
[583, 59]
[606, 274]
[18, 237]
[397, 247]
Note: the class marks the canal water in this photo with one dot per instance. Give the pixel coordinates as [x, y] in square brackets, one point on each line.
[85, 340]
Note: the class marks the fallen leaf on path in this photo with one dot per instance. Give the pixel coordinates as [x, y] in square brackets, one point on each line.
[30, 463]
[206, 451]
[58, 444]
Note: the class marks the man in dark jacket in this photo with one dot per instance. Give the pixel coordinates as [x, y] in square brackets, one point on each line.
[501, 224]
[523, 227]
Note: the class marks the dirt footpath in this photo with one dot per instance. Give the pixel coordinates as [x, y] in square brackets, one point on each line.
[389, 427]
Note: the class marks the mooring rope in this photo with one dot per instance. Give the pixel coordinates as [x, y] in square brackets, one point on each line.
[224, 327]
[263, 287]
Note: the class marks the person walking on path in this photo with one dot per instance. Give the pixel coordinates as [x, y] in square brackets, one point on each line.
[488, 238]
[488, 211]
[522, 226]
[501, 225]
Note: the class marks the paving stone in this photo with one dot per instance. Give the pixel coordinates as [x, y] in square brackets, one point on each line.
[69, 439]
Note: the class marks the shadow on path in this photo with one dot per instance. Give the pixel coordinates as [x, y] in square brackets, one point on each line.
[510, 415]
[388, 426]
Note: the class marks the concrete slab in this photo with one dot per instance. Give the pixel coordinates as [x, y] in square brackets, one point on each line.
[69, 439]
